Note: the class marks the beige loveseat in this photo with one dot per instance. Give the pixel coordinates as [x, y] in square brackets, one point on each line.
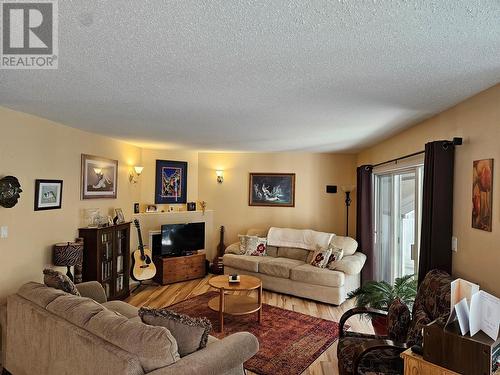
[287, 270]
[47, 332]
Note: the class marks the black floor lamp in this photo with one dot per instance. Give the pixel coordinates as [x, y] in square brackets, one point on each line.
[347, 190]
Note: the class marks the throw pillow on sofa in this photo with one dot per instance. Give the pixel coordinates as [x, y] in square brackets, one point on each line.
[348, 244]
[191, 334]
[243, 243]
[336, 255]
[320, 257]
[58, 280]
[256, 246]
[234, 249]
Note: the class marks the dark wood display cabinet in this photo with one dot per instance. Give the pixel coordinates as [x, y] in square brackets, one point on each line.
[106, 258]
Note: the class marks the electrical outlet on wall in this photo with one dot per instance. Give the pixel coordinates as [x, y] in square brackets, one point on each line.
[454, 244]
[4, 232]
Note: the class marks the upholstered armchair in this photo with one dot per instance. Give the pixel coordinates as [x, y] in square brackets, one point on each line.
[362, 353]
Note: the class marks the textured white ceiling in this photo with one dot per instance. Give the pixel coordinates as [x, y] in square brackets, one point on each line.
[260, 75]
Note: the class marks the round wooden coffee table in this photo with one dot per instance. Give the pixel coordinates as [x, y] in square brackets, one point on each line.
[234, 304]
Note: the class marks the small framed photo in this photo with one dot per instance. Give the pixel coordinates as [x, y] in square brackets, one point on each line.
[99, 177]
[119, 215]
[151, 208]
[48, 194]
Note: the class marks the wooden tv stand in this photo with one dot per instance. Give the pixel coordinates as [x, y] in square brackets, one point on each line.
[174, 269]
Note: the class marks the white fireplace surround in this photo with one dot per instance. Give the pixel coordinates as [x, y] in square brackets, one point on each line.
[152, 221]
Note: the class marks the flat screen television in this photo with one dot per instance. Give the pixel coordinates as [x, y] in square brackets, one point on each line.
[178, 239]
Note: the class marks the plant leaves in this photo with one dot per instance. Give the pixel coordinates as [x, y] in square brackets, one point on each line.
[380, 294]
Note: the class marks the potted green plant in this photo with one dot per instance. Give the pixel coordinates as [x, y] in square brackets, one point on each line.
[380, 295]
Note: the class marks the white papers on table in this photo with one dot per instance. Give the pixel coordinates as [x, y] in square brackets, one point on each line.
[475, 309]
[461, 290]
[462, 311]
[484, 314]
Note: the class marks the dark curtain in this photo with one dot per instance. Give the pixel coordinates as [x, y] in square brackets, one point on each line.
[364, 220]
[437, 208]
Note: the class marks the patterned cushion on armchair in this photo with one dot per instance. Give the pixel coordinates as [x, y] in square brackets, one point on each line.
[432, 302]
[398, 321]
[384, 361]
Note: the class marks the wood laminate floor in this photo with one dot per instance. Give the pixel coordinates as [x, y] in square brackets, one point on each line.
[326, 364]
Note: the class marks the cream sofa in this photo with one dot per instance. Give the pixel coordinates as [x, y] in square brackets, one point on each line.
[47, 331]
[287, 270]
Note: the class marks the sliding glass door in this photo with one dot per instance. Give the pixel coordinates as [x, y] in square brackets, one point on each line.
[397, 221]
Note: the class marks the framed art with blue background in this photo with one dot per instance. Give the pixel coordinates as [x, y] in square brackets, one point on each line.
[171, 182]
[272, 189]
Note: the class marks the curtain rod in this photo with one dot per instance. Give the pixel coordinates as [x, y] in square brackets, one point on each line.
[456, 141]
[400, 158]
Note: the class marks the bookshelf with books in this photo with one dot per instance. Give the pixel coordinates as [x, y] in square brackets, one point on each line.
[106, 258]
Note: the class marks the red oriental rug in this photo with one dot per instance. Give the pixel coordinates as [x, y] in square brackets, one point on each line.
[289, 341]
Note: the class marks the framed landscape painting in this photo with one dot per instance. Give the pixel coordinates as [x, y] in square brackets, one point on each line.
[482, 194]
[48, 194]
[171, 182]
[272, 189]
[99, 177]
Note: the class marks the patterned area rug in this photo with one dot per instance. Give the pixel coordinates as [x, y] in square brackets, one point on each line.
[289, 341]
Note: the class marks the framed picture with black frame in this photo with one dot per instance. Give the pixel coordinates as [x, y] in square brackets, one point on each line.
[48, 194]
[272, 189]
[171, 182]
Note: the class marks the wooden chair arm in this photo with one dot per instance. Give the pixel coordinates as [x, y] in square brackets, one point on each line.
[370, 345]
[357, 311]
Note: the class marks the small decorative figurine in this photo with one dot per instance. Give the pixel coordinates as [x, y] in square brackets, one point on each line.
[203, 206]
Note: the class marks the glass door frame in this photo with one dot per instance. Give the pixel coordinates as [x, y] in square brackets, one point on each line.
[416, 168]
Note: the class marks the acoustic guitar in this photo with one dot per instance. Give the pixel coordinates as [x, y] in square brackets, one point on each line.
[143, 267]
[218, 265]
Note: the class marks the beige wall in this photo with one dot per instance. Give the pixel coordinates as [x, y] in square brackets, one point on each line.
[477, 120]
[31, 148]
[314, 208]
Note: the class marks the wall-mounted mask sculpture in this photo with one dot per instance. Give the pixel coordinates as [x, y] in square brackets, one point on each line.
[10, 190]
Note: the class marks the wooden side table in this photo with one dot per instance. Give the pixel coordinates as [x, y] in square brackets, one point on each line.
[235, 304]
[416, 365]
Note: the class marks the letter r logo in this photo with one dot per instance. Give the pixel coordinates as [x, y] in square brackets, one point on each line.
[27, 28]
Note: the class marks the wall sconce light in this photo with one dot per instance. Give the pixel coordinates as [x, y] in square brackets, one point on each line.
[134, 174]
[220, 176]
